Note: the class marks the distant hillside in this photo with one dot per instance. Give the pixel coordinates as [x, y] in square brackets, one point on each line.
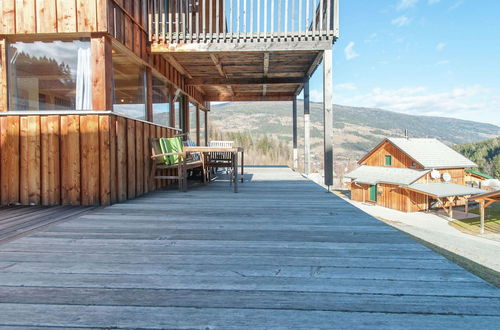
[486, 154]
[356, 130]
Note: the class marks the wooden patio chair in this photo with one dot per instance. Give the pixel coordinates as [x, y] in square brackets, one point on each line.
[169, 154]
[218, 160]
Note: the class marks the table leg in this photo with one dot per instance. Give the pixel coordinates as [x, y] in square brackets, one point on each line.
[235, 171]
[242, 166]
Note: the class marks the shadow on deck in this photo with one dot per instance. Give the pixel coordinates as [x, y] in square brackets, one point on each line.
[282, 253]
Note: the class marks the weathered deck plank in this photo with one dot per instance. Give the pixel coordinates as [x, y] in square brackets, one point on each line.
[280, 254]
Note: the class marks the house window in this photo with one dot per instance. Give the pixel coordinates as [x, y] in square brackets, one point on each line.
[388, 160]
[50, 75]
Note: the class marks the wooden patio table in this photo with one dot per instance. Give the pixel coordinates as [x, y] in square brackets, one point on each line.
[234, 151]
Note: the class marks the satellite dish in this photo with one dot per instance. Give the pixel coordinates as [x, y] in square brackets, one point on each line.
[435, 174]
[446, 177]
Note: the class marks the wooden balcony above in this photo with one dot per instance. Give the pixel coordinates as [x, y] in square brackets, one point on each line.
[241, 25]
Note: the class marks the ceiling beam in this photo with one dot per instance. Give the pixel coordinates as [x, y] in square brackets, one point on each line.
[310, 71]
[243, 81]
[242, 97]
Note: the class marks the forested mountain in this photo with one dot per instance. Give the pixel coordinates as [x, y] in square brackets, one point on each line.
[486, 154]
[356, 130]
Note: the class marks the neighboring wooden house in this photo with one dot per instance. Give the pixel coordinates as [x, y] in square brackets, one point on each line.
[475, 178]
[85, 83]
[412, 175]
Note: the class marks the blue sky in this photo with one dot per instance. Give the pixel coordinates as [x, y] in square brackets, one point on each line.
[422, 57]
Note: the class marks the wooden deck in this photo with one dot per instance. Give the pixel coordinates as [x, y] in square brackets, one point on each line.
[282, 253]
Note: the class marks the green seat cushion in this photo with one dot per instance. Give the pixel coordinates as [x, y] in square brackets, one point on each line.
[169, 145]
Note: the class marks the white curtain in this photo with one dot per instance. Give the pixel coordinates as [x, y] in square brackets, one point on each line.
[84, 80]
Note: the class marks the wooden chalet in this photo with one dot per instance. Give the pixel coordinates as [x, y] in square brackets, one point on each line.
[85, 83]
[412, 175]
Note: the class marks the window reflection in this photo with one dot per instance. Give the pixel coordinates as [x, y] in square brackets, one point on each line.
[129, 79]
[54, 75]
[161, 102]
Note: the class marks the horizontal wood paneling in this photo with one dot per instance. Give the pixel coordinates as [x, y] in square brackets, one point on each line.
[75, 159]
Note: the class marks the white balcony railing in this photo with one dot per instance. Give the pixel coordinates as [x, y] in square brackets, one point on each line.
[205, 21]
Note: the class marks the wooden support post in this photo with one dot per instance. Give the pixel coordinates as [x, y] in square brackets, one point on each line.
[466, 207]
[481, 211]
[328, 117]
[149, 95]
[3, 75]
[307, 130]
[172, 106]
[197, 125]
[102, 73]
[294, 119]
[206, 128]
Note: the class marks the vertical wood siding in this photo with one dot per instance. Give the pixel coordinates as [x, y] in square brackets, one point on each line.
[399, 158]
[53, 16]
[75, 159]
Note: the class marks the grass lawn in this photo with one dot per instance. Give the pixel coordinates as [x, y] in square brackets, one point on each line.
[473, 225]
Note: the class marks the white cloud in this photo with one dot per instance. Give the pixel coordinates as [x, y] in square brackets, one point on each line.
[401, 21]
[316, 95]
[470, 102]
[345, 86]
[443, 62]
[440, 46]
[349, 51]
[405, 4]
[456, 5]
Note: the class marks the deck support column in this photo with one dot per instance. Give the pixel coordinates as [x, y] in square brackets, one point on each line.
[3, 75]
[102, 73]
[198, 136]
[307, 130]
[481, 211]
[328, 117]
[294, 119]
[206, 127]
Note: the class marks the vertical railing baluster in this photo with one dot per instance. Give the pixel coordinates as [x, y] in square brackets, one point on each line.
[204, 19]
[314, 7]
[177, 18]
[245, 16]
[230, 16]
[265, 18]
[169, 4]
[150, 20]
[238, 14]
[336, 18]
[189, 13]
[197, 22]
[321, 16]
[251, 17]
[279, 27]
[157, 23]
[286, 18]
[258, 20]
[162, 12]
[217, 19]
[328, 27]
[210, 19]
[307, 17]
[272, 18]
[299, 28]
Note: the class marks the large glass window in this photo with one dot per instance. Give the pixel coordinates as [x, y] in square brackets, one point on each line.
[161, 102]
[202, 128]
[192, 121]
[129, 80]
[50, 75]
[179, 111]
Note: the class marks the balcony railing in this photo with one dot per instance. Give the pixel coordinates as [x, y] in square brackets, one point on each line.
[206, 21]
